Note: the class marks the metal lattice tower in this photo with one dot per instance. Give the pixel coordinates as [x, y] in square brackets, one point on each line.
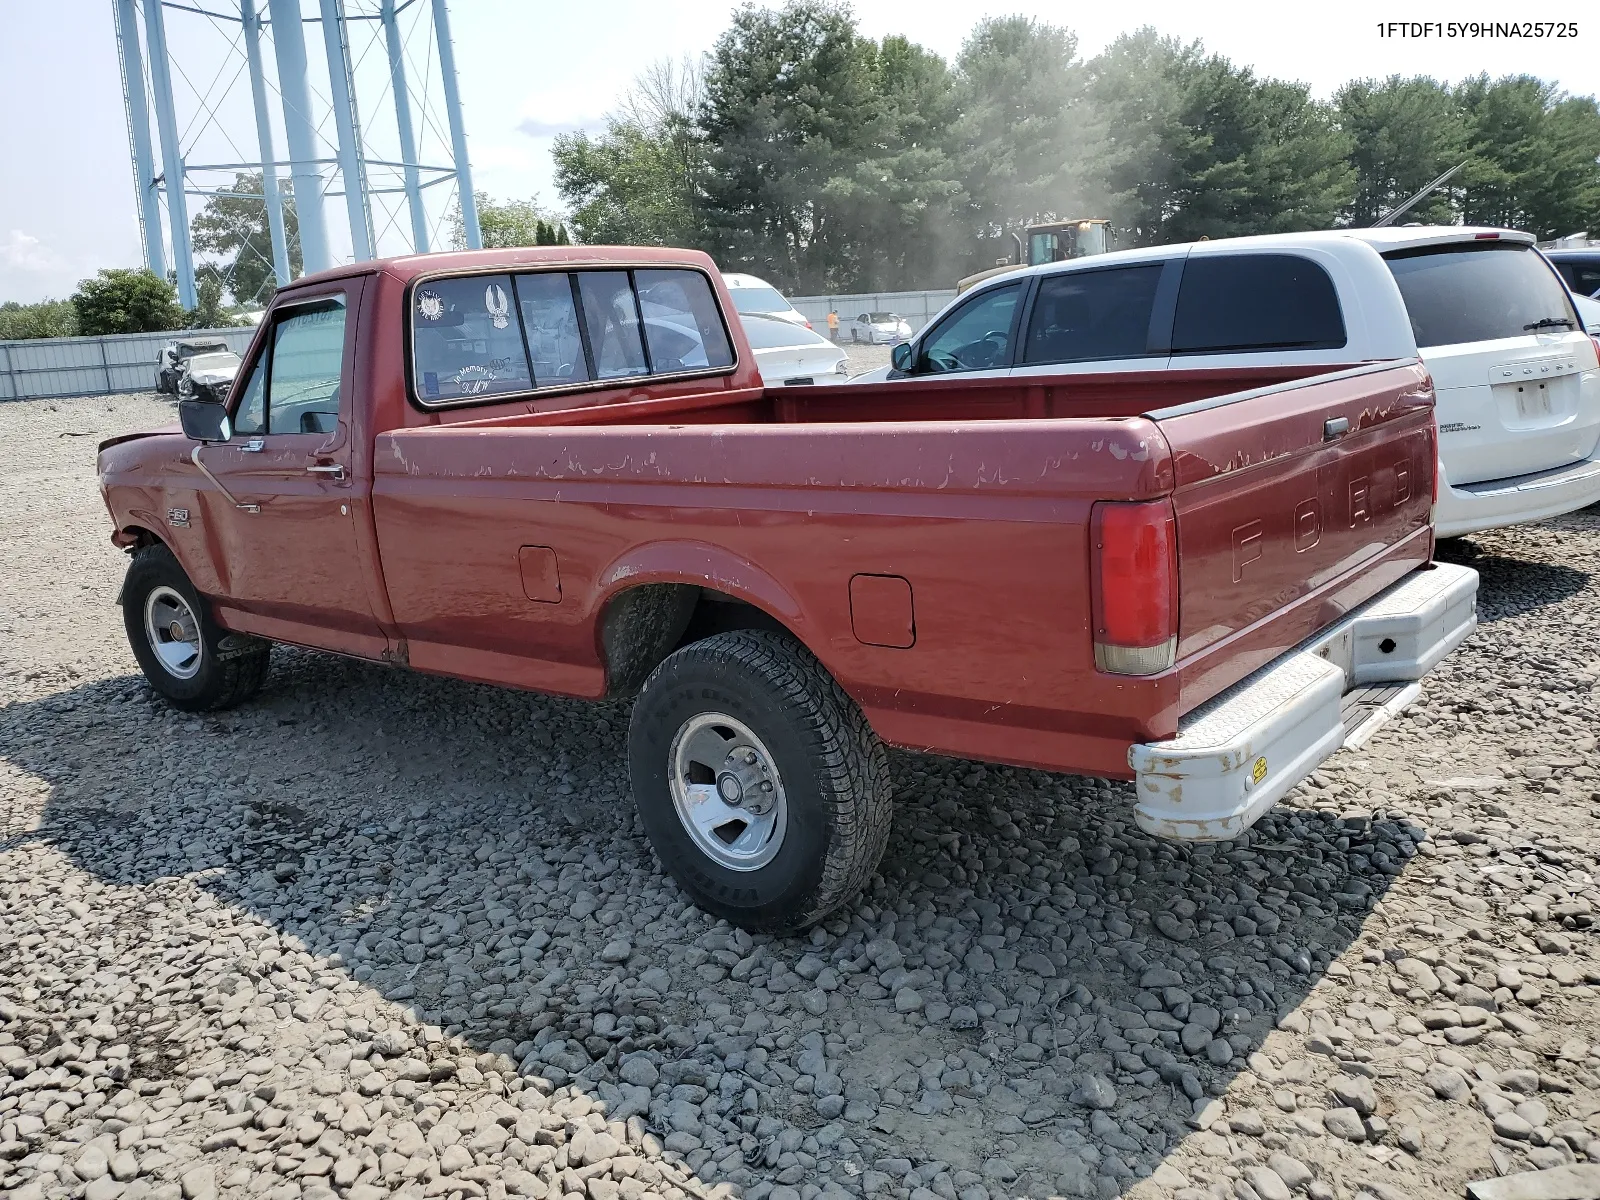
[198, 74]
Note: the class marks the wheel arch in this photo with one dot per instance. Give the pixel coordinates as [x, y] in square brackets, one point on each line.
[672, 594]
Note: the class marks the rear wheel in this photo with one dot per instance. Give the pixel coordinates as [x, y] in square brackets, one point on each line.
[191, 661]
[761, 786]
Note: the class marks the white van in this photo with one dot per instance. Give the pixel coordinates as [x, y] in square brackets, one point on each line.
[1518, 379]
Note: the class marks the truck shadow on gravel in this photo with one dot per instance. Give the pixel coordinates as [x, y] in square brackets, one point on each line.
[1028, 1000]
[1512, 587]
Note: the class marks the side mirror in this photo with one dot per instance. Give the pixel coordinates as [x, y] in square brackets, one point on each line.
[204, 421]
[901, 357]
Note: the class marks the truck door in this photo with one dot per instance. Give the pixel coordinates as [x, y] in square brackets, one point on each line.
[286, 540]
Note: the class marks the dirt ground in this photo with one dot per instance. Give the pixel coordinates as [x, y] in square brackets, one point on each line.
[379, 934]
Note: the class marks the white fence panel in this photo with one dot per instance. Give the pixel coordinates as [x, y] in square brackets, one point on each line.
[95, 366]
[917, 308]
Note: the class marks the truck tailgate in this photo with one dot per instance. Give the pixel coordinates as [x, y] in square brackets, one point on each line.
[1310, 497]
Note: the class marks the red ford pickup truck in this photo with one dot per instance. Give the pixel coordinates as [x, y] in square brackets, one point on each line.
[559, 469]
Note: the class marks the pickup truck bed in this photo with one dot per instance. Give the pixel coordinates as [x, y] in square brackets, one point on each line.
[1098, 574]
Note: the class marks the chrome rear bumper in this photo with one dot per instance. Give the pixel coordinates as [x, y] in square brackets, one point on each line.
[1240, 753]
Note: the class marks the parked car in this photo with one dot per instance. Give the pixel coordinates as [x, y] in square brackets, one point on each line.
[1579, 267]
[879, 328]
[207, 376]
[1203, 585]
[172, 356]
[1588, 314]
[1516, 375]
[753, 296]
[788, 354]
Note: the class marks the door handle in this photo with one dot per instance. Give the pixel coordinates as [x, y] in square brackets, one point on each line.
[253, 446]
[1335, 427]
[331, 469]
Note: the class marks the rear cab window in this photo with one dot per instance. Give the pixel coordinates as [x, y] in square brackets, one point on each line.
[1479, 291]
[480, 338]
[1237, 303]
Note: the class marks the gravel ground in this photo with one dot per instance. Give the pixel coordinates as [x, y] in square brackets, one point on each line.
[383, 934]
[865, 358]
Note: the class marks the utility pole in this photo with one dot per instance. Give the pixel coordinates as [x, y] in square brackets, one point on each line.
[155, 31]
[288, 39]
[458, 131]
[355, 190]
[402, 119]
[144, 174]
[269, 157]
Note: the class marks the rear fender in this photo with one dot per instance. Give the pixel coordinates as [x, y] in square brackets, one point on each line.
[700, 564]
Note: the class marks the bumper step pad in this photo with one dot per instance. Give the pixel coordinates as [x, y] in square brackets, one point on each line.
[1241, 752]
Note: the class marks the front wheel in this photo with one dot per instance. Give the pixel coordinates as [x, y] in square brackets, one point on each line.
[190, 660]
[760, 785]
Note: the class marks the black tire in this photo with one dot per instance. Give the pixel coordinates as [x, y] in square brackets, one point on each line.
[834, 772]
[231, 667]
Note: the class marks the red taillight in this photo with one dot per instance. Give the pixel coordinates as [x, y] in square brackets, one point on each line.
[1134, 576]
[1485, 237]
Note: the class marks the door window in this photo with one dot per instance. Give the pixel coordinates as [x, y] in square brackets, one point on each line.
[681, 323]
[468, 342]
[975, 338]
[1241, 302]
[294, 385]
[1082, 315]
[612, 318]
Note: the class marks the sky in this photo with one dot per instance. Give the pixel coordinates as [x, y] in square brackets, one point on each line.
[529, 70]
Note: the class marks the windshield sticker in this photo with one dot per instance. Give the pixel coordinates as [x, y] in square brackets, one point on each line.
[473, 378]
[430, 382]
[430, 305]
[494, 299]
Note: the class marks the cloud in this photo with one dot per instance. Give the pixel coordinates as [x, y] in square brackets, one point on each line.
[24, 253]
[536, 128]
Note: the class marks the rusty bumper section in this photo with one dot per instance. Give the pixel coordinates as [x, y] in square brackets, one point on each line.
[1240, 753]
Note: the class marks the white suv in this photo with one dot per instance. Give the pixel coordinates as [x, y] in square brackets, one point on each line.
[1518, 379]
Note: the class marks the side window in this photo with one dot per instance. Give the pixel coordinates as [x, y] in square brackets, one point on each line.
[976, 337]
[1082, 315]
[250, 414]
[1242, 302]
[307, 360]
[612, 319]
[681, 324]
[466, 338]
[550, 320]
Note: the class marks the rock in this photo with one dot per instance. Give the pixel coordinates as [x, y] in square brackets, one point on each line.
[1356, 1091]
[1344, 1123]
[1510, 1125]
[616, 952]
[1579, 1181]
[1446, 1082]
[199, 1183]
[1268, 1184]
[92, 1163]
[907, 1000]
[1094, 1091]
[639, 1071]
[1294, 1173]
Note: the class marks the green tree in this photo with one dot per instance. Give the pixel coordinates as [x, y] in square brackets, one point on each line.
[233, 224]
[46, 319]
[513, 223]
[1404, 133]
[1026, 129]
[121, 300]
[1534, 153]
[1215, 151]
[789, 108]
[209, 311]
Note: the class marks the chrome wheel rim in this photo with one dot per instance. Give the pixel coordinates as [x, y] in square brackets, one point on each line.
[173, 632]
[727, 792]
